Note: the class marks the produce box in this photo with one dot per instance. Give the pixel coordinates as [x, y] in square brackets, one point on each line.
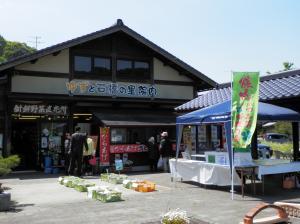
[61, 180]
[104, 176]
[82, 186]
[108, 196]
[71, 181]
[143, 186]
[113, 178]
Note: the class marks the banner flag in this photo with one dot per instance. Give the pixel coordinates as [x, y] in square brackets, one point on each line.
[104, 146]
[245, 95]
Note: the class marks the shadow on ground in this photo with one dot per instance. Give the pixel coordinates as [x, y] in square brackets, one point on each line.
[15, 207]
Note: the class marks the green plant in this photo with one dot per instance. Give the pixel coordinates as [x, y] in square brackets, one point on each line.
[6, 164]
[176, 216]
[282, 147]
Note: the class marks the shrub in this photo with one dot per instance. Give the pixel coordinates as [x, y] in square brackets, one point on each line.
[6, 164]
[282, 147]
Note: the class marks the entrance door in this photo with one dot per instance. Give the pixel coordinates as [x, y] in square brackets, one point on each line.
[24, 143]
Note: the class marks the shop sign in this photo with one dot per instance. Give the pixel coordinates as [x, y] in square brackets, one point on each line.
[40, 109]
[128, 148]
[111, 89]
[104, 146]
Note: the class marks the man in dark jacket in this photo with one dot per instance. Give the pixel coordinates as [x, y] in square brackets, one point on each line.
[165, 150]
[77, 141]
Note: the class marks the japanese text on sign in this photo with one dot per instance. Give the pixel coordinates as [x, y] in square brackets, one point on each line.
[40, 109]
[104, 146]
[111, 89]
[245, 105]
[128, 148]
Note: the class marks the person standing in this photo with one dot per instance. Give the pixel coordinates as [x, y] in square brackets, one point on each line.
[165, 150]
[78, 140]
[153, 154]
[67, 145]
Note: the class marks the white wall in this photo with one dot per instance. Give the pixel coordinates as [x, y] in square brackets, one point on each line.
[49, 63]
[165, 72]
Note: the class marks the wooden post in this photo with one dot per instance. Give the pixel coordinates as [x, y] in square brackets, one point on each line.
[295, 127]
[70, 118]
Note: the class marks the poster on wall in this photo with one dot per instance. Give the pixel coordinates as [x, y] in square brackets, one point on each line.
[1, 141]
[104, 146]
[44, 143]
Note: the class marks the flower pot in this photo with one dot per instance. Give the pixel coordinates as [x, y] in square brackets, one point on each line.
[4, 201]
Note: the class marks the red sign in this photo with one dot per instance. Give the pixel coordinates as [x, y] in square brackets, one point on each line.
[128, 148]
[104, 146]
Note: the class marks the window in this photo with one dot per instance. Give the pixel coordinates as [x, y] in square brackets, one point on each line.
[82, 64]
[141, 68]
[118, 136]
[124, 67]
[102, 66]
[132, 68]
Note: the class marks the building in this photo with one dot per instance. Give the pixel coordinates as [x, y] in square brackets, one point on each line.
[114, 79]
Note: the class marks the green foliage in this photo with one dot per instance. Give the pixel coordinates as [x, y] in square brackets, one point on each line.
[6, 164]
[283, 128]
[287, 66]
[282, 147]
[12, 49]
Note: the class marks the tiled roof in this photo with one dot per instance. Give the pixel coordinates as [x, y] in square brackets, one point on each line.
[272, 87]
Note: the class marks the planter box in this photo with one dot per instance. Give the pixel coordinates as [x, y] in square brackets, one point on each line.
[4, 201]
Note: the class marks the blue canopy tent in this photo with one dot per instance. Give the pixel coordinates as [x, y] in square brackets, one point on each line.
[221, 113]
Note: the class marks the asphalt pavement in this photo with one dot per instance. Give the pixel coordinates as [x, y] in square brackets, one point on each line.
[38, 198]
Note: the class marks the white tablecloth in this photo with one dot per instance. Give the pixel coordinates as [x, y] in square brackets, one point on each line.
[278, 168]
[202, 172]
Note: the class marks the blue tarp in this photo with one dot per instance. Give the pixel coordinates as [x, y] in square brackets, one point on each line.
[221, 113]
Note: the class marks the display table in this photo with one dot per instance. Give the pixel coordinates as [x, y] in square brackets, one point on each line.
[273, 168]
[202, 172]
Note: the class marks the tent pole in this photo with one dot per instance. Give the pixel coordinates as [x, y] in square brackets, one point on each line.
[295, 126]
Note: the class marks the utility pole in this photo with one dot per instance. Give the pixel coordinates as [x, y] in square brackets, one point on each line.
[36, 41]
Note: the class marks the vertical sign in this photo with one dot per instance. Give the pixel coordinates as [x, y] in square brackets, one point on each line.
[245, 94]
[104, 146]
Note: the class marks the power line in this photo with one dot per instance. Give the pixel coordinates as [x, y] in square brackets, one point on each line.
[36, 41]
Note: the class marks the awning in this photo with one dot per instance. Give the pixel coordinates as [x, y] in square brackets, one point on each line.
[125, 119]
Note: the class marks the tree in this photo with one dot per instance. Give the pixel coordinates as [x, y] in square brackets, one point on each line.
[288, 66]
[13, 49]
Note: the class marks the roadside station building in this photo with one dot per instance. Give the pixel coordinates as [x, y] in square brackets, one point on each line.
[117, 85]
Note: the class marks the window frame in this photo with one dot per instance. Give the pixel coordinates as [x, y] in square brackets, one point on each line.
[132, 75]
[93, 72]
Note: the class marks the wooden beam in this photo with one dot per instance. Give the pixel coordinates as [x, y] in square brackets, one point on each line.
[56, 53]
[34, 61]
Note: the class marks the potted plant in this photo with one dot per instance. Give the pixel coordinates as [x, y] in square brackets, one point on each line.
[6, 164]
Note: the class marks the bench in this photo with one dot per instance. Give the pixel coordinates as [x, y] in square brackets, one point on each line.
[292, 209]
[281, 215]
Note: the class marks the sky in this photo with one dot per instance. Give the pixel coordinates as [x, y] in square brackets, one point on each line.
[215, 37]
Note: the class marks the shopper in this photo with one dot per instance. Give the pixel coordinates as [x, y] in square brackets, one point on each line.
[77, 141]
[153, 154]
[165, 150]
[67, 145]
[87, 155]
